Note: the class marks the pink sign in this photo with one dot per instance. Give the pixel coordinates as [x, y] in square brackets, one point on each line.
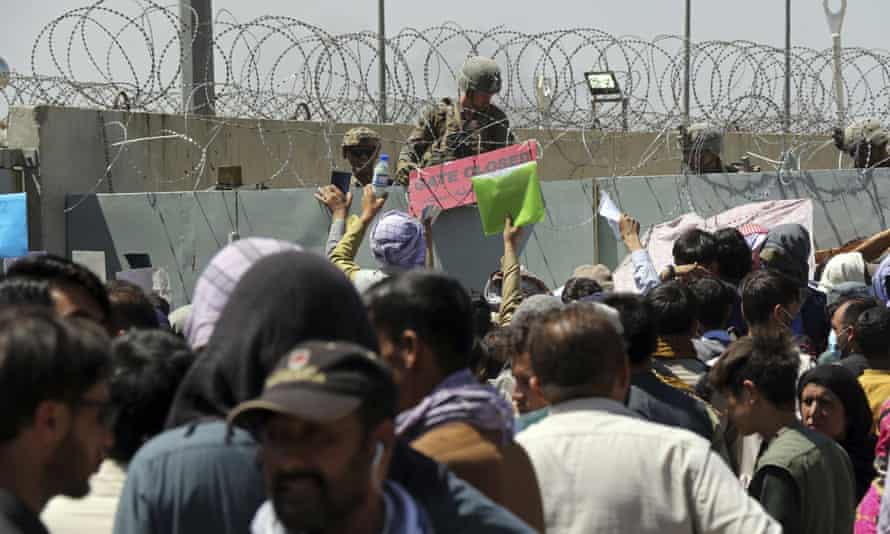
[450, 185]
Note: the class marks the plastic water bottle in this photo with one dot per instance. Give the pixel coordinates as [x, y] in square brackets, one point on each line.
[381, 180]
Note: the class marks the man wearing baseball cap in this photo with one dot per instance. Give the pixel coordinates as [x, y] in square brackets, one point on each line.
[325, 425]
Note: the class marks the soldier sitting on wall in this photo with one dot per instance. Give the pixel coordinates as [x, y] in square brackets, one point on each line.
[702, 144]
[454, 130]
[361, 147]
[866, 142]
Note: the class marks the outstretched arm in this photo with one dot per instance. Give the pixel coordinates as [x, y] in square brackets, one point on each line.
[343, 255]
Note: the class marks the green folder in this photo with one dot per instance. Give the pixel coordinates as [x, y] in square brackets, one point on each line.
[515, 191]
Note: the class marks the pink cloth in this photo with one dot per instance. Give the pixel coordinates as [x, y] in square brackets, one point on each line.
[870, 506]
[766, 214]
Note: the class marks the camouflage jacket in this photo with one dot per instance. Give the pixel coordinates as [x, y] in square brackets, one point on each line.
[442, 135]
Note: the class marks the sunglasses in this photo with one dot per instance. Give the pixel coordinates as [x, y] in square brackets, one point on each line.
[361, 152]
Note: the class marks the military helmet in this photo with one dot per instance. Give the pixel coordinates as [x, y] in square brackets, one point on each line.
[360, 136]
[705, 136]
[481, 74]
[868, 131]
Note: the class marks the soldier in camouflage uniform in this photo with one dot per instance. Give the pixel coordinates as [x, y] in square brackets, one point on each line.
[453, 130]
[866, 142]
[702, 145]
[361, 147]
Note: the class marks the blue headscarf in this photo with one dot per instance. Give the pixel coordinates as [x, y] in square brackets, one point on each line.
[397, 241]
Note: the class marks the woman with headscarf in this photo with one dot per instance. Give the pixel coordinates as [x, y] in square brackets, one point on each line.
[199, 476]
[218, 280]
[196, 477]
[870, 506]
[833, 403]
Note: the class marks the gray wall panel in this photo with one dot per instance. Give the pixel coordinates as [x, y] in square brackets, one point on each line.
[181, 231]
[846, 203]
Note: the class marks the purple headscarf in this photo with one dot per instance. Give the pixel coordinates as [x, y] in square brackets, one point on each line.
[219, 279]
[877, 280]
[397, 241]
[460, 397]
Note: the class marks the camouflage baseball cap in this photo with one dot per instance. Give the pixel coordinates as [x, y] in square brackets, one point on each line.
[481, 74]
[360, 136]
[868, 131]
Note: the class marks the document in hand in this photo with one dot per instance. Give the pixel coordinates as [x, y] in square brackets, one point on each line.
[515, 191]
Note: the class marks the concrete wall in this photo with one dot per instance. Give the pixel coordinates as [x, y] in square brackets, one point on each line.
[182, 231]
[846, 204]
[76, 146]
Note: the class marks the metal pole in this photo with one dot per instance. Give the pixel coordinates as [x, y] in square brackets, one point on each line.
[196, 20]
[624, 101]
[381, 56]
[687, 52]
[835, 24]
[787, 122]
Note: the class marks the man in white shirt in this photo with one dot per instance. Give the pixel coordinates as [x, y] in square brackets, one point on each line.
[603, 470]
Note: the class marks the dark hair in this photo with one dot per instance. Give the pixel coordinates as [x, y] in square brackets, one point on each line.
[578, 288]
[504, 343]
[148, 365]
[130, 307]
[733, 255]
[873, 332]
[159, 302]
[854, 309]
[674, 307]
[638, 321]
[695, 246]
[480, 361]
[575, 351]
[45, 358]
[500, 346]
[770, 362]
[434, 305]
[850, 291]
[25, 292]
[58, 271]
[715, 299]
[762, 291]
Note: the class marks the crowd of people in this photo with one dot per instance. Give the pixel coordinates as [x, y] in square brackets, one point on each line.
[731, 392]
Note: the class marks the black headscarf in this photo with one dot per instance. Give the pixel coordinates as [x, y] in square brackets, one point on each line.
[787, 249]
[860, 439]
[282, 300]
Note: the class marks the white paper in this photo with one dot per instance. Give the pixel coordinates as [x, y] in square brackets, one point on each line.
[93, 260]
[609, 211]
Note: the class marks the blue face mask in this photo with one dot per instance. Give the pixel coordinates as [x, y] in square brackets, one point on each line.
[832, 346]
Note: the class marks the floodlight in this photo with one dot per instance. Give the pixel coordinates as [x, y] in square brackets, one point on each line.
[602, 83]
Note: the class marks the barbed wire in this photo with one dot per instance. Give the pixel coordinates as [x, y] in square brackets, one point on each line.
[279, 67]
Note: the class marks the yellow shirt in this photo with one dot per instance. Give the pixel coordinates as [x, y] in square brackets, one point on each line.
[876, 384]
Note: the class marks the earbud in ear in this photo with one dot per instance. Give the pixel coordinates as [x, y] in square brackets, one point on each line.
[378, 455]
